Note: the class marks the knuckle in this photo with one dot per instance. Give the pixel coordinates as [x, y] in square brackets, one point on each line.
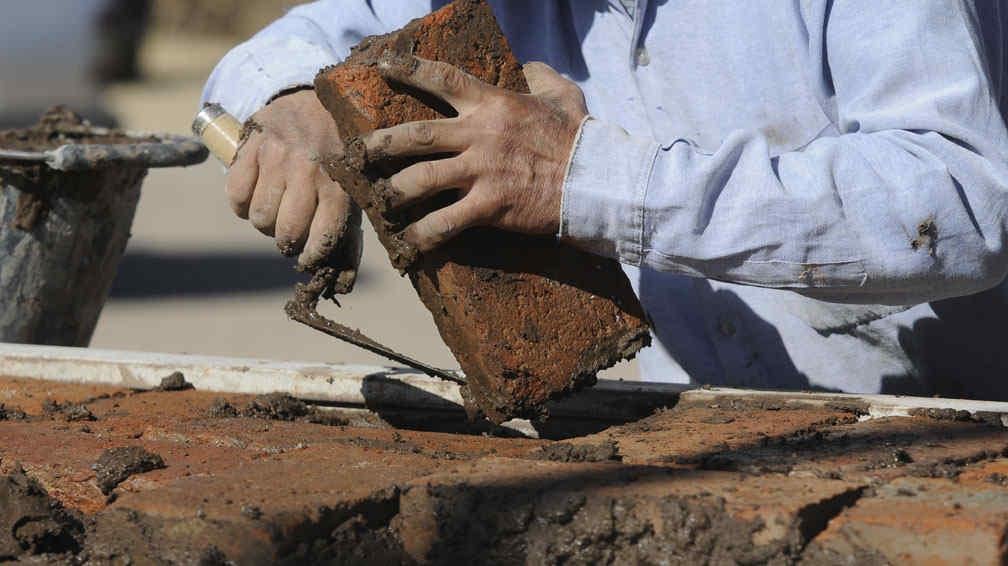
[421, 133]
[449, 78]
[499, 110]
[429, 175]
[273, 150]
[485, 205]
[568, 89]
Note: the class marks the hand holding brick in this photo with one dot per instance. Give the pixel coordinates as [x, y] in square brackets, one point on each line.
[277, 184]
[508, 150]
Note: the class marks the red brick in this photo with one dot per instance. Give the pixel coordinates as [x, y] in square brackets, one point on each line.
[528, 319]
[920, 521]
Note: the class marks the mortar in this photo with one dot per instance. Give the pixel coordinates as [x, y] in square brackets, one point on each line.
[63, 231]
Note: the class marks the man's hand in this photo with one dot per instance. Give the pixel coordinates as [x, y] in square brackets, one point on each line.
[276, 182]
[510, 150]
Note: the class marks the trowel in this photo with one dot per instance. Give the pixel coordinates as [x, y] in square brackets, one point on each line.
[222, 134]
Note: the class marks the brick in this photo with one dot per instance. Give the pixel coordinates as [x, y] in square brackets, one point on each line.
[732, 483]
[507, 511]
[759, 437]
[919, 521]
[528, 319]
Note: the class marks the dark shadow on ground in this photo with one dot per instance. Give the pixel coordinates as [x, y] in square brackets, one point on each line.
[838, 451]
[147, 275]
[408, 407]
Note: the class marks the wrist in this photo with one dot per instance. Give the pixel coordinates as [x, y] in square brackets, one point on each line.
[602, 203]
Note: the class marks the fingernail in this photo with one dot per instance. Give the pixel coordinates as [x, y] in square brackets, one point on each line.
[288, 248]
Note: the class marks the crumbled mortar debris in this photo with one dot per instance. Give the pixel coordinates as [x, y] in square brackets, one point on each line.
[222, 409]
[32, 523]
[116, 465]
[60, 126]
[277, 407]
[569, 452]
[70, 412]
[8, 413]
[175, 381]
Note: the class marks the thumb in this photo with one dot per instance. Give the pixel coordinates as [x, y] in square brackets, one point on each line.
[542, 78]
[548, 84]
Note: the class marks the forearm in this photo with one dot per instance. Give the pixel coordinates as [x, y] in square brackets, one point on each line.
[290, 51]
[886, 217]
[906, 205]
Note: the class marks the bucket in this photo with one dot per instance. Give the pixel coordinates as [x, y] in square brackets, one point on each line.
[68, 193]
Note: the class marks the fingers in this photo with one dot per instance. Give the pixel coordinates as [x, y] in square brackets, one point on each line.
[269, 190]
[447, 82]
[417, 138]
[297, 206]
[429, 177]
[445, 223]
[328, 224]
[242, 177]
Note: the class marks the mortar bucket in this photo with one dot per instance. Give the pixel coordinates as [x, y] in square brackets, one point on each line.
[68, 193]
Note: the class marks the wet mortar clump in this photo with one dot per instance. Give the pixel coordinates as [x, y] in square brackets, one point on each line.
[61, 126]
[175, 381]
[607, 451]
[8, 413]
[32, 523]
[276, 407]
[70, 412]
[222, 409]
[116, 465]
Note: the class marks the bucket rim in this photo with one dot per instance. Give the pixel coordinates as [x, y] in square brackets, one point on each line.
[167, 150]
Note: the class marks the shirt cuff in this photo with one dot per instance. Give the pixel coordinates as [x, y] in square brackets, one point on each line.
[243, 82]
[602, 208]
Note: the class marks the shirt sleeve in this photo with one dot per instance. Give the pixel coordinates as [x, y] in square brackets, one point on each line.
[906, 205]
[290, 52]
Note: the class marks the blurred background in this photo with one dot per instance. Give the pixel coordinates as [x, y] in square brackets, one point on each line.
[195, 279]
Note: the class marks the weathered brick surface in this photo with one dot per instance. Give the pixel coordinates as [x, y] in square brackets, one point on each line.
[527, 318]
[920, 521]
[742, 482]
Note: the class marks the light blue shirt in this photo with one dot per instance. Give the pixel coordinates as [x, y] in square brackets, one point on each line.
[792, 185]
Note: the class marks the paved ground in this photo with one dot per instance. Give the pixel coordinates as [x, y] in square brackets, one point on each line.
[270, 480]
[197, 280]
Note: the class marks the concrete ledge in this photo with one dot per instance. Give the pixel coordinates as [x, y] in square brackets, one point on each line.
[377, 386]
[339, 384]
